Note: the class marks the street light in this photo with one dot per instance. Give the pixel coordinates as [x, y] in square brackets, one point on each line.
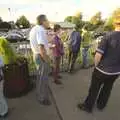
[9, 9]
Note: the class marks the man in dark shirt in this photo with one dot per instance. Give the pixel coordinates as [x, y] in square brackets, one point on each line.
[74, 48]
[107, 69]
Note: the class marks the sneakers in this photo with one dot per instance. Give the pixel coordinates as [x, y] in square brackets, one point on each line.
[84, 108]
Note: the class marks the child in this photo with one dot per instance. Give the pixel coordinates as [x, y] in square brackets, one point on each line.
[3, 103]
[58, 52]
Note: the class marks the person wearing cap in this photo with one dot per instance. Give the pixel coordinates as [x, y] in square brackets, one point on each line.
[40, 46]
[106, 71]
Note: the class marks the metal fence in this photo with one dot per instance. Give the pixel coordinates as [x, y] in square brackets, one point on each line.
[24, 49]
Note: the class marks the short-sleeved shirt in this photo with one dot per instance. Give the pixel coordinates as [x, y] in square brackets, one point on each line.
[38, 35]
[110, 49]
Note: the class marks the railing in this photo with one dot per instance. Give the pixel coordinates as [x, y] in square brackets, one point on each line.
[23, 48]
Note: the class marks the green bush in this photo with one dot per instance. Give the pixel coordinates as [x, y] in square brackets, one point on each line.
[8, 54]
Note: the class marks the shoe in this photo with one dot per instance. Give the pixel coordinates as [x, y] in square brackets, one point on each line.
[45, 102]
[84, 108]
[59, 77]
[4, 116]
[58, 82]
[100, 108]
[70, 71]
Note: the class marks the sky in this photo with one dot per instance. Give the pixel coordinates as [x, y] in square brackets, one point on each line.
[56, 10]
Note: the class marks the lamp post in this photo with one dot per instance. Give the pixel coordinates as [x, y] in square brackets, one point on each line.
[9, 10]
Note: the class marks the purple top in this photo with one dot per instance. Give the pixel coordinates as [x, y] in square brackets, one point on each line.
[58, 51]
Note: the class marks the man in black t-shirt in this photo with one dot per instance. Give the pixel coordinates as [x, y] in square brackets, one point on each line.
[107, 70]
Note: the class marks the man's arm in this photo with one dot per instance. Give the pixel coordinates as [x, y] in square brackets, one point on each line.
[43, 54]
[97, 59]
[101, 50]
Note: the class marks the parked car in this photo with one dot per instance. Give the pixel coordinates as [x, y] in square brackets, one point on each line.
[15, 36]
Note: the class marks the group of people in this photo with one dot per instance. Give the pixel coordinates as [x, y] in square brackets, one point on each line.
[44, 41]
[107, 61]
[48, 49]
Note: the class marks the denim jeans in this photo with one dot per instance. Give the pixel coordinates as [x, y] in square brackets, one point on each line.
[85, 56]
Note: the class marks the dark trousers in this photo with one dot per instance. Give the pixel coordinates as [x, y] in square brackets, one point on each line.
[72, 59]
[56, 68]
[100, 89]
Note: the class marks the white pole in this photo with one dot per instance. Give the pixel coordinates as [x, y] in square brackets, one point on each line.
[10, 15]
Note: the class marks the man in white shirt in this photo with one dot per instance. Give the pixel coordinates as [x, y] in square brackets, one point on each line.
[39, 45]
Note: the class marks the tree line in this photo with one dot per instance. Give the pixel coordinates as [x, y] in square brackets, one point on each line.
[96, 23]
[22, 22]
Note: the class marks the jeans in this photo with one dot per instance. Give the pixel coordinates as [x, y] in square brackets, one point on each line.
[85, 56]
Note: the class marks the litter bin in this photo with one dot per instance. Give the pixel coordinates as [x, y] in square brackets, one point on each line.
[16, 79]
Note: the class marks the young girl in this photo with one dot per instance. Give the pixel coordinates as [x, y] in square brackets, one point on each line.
[3, 103]
[58, 52]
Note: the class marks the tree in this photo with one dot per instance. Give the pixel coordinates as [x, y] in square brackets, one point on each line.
[5, 25]
[109, 24]
[116, 13]
[1, 20]
[78, 22]
[113, 18]
[68, 19]
[23, 22]
[79, 15]
[97, 21]
[76, 19]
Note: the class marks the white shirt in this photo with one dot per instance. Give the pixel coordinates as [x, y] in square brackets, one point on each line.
[38, 35]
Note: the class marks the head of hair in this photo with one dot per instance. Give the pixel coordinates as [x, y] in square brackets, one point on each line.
[56, 27]
[41, 19]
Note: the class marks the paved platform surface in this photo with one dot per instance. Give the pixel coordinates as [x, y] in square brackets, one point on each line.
[27, 108]
[67, 96]
[74, 90]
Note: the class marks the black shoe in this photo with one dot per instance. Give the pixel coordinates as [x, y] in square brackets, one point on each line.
[45, 102]
[84, 108]
[58, 82]
[100, 108]
[59, 77]
[4, 116]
